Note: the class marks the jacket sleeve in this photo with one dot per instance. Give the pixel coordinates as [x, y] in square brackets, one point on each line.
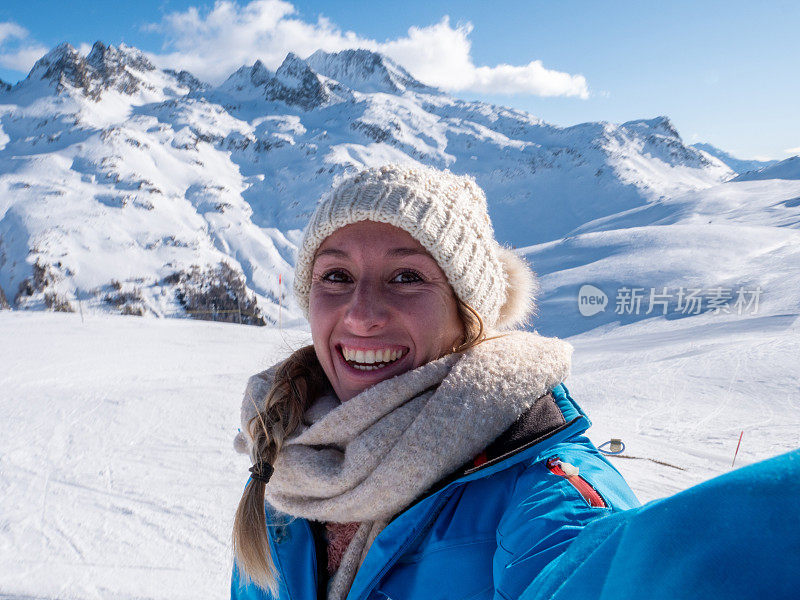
[547, 511]
[736, 536]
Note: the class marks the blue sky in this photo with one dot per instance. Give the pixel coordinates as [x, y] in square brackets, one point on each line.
[724, 72]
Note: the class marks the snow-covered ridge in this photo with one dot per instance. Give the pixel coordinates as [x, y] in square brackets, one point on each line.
[135, 189]
[785, 169]
[738, 165]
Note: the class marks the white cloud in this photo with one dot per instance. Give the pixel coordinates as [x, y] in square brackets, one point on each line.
[9, 30]
[17, 50]
[793, 151]
[437, 54]
[213, 43]
[441, 56]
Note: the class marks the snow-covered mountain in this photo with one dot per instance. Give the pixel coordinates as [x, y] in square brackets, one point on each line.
[739, 165]
[786, 169]
[141, 190]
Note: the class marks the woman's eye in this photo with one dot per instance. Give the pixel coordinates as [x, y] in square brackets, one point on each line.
[407, 277]
[336, 277]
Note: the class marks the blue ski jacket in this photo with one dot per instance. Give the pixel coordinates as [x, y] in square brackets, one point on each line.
[734, 537]
[484, 533]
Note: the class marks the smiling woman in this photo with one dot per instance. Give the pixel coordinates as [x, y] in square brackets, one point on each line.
[420, 447]
[379, 306]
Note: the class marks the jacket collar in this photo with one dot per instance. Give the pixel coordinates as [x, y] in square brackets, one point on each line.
[545, 421]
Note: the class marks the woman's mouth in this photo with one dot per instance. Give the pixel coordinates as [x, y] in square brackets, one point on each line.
[372, 359]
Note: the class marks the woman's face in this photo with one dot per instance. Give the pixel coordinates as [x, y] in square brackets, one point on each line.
[379, 306]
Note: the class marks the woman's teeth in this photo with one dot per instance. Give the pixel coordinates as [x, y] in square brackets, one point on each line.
[369, 360]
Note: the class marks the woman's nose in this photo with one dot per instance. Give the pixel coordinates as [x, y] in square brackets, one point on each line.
[367, 310]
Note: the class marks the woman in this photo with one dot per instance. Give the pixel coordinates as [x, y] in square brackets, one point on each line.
[420, 448]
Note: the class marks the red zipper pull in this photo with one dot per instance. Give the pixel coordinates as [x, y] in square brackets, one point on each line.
[570, 473]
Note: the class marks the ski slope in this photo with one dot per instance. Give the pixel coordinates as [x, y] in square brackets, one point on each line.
[118, 478]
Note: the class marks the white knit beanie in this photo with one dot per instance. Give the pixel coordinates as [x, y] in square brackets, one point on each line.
[444, 212]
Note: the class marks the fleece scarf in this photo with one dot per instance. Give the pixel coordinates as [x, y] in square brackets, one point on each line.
[367, 459]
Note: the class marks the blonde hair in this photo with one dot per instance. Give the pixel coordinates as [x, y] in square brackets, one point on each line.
[299, 380]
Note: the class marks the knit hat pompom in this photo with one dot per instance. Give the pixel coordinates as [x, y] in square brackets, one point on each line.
[448, 215]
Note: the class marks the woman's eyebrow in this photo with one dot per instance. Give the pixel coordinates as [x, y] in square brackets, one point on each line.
[332, 252]
[406, 252]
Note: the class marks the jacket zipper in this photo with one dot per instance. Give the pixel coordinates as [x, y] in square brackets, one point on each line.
[570, 473]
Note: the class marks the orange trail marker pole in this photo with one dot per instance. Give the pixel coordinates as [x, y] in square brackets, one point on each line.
[280, 298]
[737, 448]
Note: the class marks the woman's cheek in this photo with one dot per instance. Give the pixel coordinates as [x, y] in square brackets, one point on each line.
[320, 301]
[321, 315]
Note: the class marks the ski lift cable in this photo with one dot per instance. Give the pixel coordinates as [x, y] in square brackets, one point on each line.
[616, 447]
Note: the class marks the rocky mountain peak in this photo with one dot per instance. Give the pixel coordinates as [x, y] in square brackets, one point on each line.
[660, 125]
[323, 76]
[106, 67]
[295, 71]
[259, 74]
[661, 140]
[187, 80]
[245, 77]
[110, 59]
[365, 71]
[63, 64]
[295, 82]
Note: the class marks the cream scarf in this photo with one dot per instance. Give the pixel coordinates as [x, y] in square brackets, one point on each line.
[367, 459]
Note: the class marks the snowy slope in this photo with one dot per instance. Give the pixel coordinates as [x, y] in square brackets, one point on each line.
[118, 478]
[682, 392]
[786, 169]
[724, 242]
[144, 191]
[680, 383]
[738, 165]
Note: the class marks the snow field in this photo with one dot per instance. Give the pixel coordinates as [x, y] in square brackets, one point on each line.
[681, 392]
[118, 477]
